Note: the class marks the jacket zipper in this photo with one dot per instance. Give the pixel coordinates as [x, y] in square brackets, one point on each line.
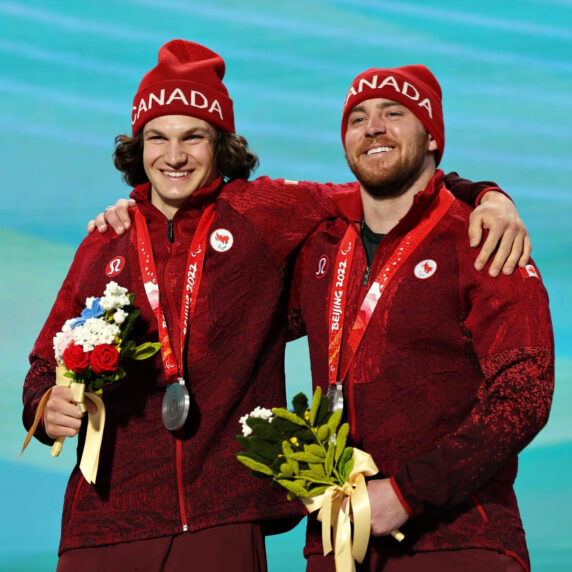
[180, 488]
[178, 442]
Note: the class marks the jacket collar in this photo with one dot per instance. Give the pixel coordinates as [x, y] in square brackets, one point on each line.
[201, 197]
[350, 204]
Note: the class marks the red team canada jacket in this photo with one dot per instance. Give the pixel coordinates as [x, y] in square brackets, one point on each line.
[452, 379]
[152, 482]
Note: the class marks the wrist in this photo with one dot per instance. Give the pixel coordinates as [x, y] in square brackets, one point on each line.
[489, 193]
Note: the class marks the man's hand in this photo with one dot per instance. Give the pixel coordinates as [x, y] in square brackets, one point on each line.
[498, 214]
[62, 417]
[117, 216]
[387, 512]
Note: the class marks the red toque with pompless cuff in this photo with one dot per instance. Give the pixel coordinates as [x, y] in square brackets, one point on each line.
[187, 80]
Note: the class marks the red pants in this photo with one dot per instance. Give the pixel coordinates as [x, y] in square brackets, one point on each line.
[469, 560]
[234, 547]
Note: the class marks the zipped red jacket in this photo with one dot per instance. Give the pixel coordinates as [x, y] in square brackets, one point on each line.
[452, 379]
[152, 482]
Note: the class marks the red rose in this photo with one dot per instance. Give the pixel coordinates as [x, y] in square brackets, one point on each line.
[104, 358]
[75, 359]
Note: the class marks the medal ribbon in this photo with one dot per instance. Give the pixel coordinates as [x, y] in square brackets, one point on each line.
[195, 263]
[337, 305]
[341, 359]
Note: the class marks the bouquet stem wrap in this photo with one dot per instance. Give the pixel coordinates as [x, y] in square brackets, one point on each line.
[95, 424]
[332, 516]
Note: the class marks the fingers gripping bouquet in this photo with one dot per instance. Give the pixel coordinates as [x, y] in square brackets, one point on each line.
[306, 452]
[89, 352]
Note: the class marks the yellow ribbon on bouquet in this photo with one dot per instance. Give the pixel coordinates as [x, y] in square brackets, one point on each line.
[332, 516]
[89, 462]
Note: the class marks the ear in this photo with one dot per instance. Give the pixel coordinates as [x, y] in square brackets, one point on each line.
[431, 144]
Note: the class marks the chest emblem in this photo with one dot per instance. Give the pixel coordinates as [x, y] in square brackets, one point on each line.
[529, 271]
[425, 269]
[115, 266]
[322, 267]
[221, 240]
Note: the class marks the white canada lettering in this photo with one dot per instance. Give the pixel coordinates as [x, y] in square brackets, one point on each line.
[177, 95]
[407, 89]
[195, 99]
[160, 100]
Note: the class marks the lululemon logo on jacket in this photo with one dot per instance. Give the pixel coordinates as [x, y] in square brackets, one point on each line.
[322, 267]
[114, 266]
[221, 240]
[425, 269]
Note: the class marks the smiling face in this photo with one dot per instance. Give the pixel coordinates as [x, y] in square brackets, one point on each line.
[178, 157]
[387, 148]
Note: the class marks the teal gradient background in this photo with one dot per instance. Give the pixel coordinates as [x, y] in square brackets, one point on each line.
[68, 75]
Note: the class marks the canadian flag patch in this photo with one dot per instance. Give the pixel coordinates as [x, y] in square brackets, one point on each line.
[221, 240]
[425, 269]
[529, 271]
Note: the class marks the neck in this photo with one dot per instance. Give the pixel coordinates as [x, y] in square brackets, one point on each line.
[381, 214]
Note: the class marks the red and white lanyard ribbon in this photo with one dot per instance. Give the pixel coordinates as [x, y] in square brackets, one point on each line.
[195, 263]
[340, 359]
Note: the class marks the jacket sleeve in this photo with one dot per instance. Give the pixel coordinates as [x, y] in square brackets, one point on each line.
[68, 304]
[509, 325]
[469, 192]
[285, 212]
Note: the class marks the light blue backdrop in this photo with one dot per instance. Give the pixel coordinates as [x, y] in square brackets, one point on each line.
[69, 71]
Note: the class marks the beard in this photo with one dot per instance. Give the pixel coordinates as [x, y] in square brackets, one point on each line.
[395, 179]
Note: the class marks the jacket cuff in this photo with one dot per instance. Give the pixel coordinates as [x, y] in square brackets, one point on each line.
[484, 191]
[401, 498]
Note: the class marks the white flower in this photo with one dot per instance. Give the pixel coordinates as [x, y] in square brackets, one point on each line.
[89, 301]
[260, 412]
[114, 296]
[93, 332]
[119, 316]
[62, 340]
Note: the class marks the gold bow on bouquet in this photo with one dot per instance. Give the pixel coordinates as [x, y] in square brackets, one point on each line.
[305, 452]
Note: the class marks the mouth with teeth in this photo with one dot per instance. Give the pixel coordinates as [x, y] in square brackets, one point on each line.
[377, 150]
[176, 174]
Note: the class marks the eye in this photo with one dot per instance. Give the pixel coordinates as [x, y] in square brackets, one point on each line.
[357, 119]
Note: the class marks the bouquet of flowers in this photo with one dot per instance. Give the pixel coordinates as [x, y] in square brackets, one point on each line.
[93, 346]
[89, 351]
[305, 451]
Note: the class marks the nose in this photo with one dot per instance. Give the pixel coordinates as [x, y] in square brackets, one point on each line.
[375, 125]
[175, 155]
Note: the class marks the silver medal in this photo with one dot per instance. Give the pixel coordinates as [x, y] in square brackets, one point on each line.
[175, 405]
[335, 397]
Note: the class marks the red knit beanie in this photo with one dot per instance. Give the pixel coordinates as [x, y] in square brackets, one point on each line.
[413, 86]
[187, 80]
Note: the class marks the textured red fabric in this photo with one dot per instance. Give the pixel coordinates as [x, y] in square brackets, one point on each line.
[187, 80]
[236, 547]
[234, 362]
[413, 86]
[468, 560]
[453, 377]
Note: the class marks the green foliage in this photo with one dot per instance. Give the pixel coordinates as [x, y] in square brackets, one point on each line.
[303, 451]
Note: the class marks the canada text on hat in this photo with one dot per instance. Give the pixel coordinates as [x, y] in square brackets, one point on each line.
[413, 86]
[187, 80]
